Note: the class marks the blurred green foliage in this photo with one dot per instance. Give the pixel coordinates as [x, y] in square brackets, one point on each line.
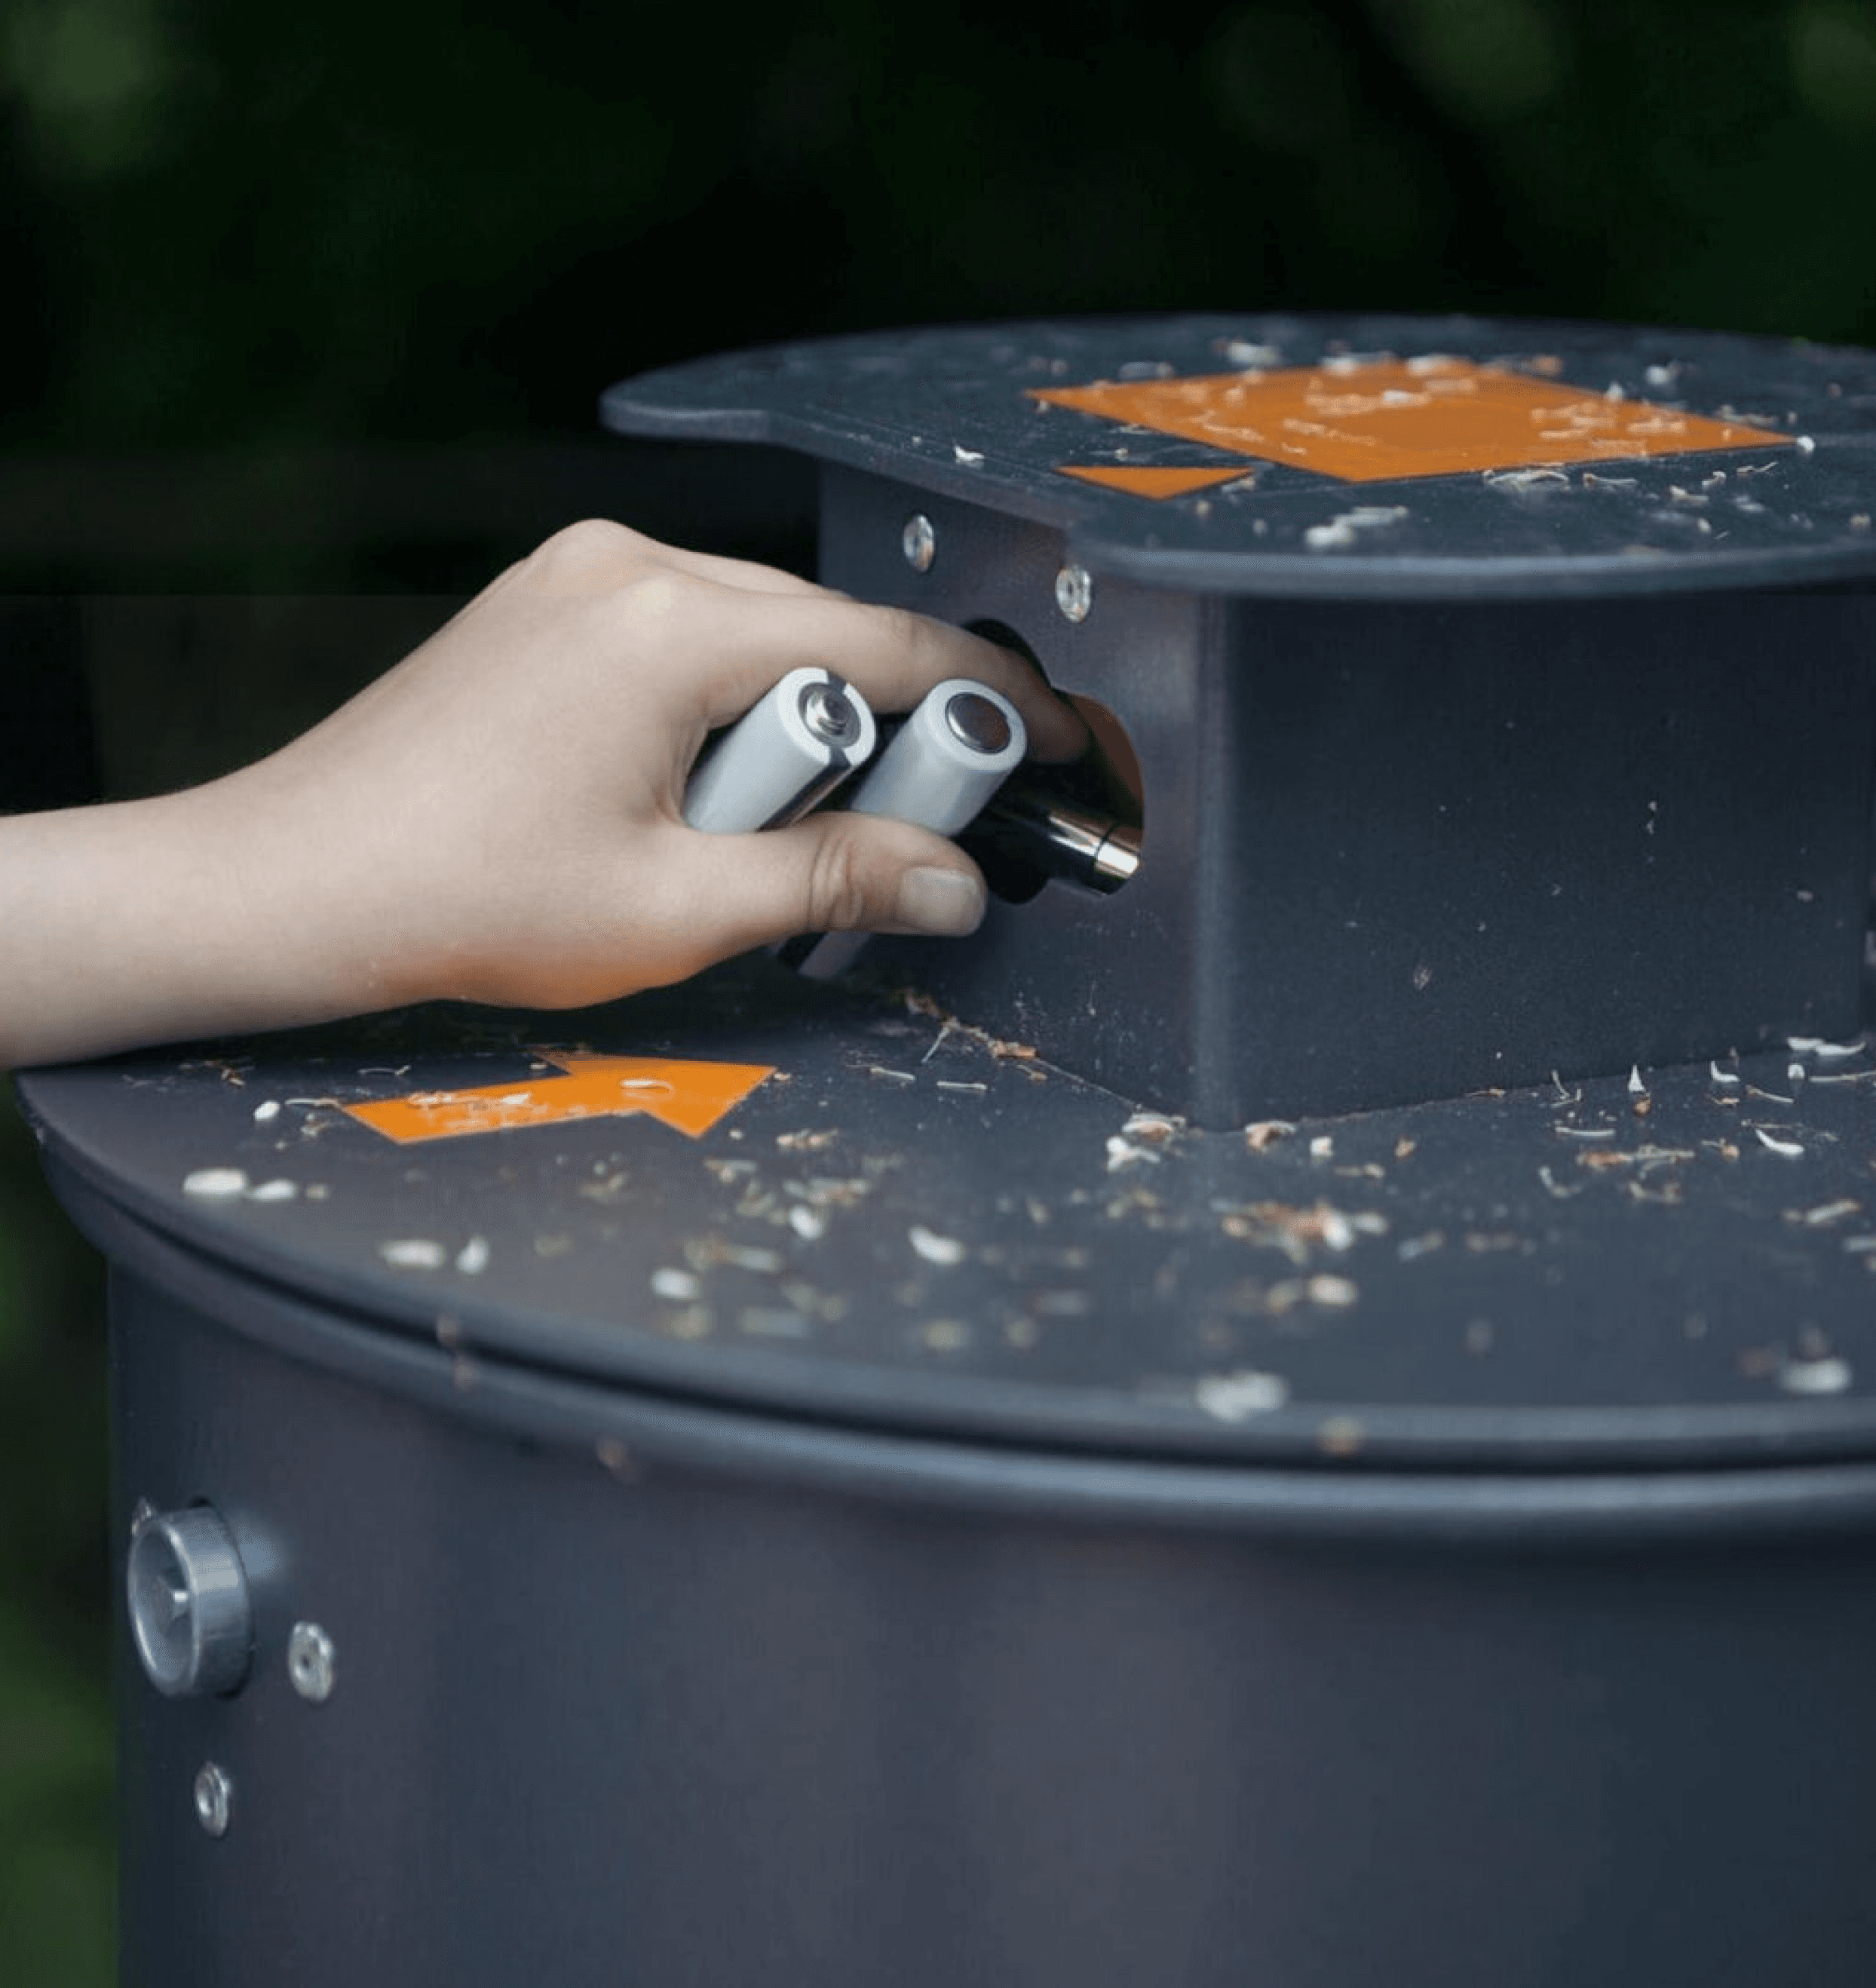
[439, 221]
[250, 230]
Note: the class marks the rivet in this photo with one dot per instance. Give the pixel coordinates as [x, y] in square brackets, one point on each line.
[919, 541]
[1074, 592]
[215, 1796]
[311, 1662]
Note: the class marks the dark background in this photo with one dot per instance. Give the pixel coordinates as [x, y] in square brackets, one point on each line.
[317, 303]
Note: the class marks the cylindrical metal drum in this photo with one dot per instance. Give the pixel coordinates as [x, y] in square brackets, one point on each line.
[784, 1481]
[891, 1545]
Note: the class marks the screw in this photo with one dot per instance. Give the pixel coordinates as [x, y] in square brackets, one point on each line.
[310, 1660]
[215, 1793]
[1074, 592]
[919, 541]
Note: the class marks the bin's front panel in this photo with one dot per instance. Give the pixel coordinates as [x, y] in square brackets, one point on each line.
[597, 1717]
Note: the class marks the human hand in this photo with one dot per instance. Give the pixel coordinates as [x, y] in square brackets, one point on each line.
[497, 818]
[508, 801]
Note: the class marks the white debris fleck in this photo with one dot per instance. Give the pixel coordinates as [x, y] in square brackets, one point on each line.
[808, 1223]
[215, 1183]
[1804, 445]
[1823, 1215]
[414, 1252]
[472, 1258]
[679, 1286]
[1322, 1147]
[1789, 1148]
[1661, 375]
[1726, 1079]
[1830, 1375]
[1825, 1052]
[935, 1249]
[1522, 479]
[1243, 352]
[1636, 1088]
[1122, 1152]
[266, 1112]
[1341, 531]
[1336, 1293]
[275, 1190]
[1233, 1397]
[972, 458]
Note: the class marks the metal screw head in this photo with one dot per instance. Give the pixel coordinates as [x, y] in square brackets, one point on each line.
[1074, 592]
[919, 541]
[311, 1662]
[215, 1796]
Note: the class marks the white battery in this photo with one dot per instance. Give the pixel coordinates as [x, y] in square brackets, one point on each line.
[946, 761]
[786, 753]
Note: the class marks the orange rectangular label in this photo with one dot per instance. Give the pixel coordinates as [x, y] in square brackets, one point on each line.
[1371, 420]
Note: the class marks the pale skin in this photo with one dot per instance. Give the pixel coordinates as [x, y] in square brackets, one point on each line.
[497, 819]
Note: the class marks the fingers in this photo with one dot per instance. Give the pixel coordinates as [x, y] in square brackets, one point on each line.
[735, 628]
[830, 873]
[597, 556]
[893, 656]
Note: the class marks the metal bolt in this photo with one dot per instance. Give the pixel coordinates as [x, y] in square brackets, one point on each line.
[310, 1661]
[1074, 592]
[919, 541]
[214, 1794]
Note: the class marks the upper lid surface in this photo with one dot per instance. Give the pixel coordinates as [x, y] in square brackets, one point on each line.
[830, 1210]
[1385, 455]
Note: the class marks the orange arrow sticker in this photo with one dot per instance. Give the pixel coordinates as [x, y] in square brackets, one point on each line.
[688, 1097]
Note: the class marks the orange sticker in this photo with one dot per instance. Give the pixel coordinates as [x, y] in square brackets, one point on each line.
[1372, 420]
[688, 1097]
[1145, 481]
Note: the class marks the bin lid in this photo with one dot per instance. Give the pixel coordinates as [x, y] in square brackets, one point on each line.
[1340, 455]
[819, 1203]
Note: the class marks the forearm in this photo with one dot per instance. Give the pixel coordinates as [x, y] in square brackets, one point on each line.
[157, 920]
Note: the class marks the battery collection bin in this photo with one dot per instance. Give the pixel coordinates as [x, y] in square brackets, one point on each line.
[1308, 1419]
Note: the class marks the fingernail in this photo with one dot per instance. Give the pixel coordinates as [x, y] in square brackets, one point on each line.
[946, 903]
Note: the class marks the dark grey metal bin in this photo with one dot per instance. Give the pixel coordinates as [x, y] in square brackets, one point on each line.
[937, 1512]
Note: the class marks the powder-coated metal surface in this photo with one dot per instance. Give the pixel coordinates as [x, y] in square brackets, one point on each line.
[911, 1226]
[1341, 456]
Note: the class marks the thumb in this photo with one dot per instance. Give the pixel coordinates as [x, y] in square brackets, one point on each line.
[841, 872]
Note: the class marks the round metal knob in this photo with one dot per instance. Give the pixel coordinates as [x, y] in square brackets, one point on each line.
[191, 1617]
